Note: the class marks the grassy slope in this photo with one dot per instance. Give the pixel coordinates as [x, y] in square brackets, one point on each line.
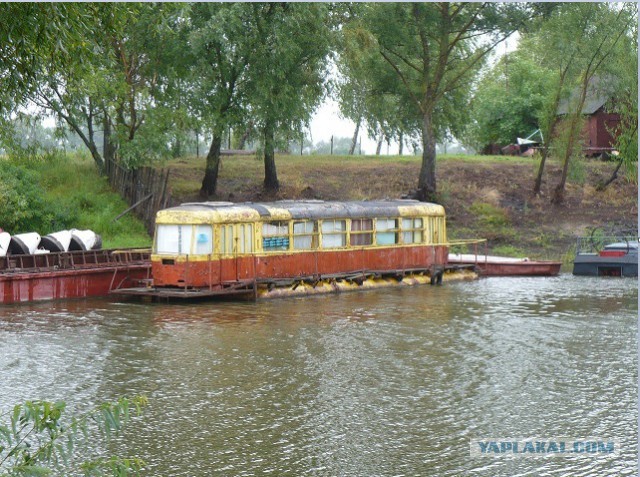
[485, 196]
[86, 200]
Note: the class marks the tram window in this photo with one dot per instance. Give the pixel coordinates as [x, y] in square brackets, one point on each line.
[334, 233]
[173, 239]
[245, 238]
[305, 235]
[412, 231]
[386, 231]
[361, 232]
[204, 239]
[275, 236]
[226, 240]
[438, 230]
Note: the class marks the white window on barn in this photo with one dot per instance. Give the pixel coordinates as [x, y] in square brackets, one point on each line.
[275, 236]
[386, 231]
[334, 233]
[173, 239]
[361, 232]
[412, 230]
[305, 235]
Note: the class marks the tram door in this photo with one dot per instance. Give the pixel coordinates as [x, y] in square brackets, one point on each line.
[244, 251]
[228, 245]
[237, 250]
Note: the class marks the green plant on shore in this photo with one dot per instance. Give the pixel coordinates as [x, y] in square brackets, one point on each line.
[543, 240]
[49, 192]
[489, 215]
[37, 438]
[494, 223]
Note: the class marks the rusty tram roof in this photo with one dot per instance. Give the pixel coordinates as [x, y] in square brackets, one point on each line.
[296, 209]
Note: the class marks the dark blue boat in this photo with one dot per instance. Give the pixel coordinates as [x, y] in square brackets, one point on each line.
[616, 259]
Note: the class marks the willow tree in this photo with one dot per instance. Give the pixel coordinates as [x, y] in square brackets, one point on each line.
[221, 41]
[600, 32]
[286, 74]
[107, 81]
[435, 51]
[36, 37]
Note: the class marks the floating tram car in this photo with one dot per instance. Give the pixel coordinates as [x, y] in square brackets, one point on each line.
[294, 247]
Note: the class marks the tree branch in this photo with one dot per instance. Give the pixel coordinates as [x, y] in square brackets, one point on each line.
[404, 80]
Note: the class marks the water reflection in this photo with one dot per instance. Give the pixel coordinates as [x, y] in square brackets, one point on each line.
[389, 382]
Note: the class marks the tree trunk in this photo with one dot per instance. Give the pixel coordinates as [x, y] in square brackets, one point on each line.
[245, 135]
[537, 186]
[603, 185]
[89, 143]
[427, 179]
[177, 148]
[401, 146]
[354, 140]
[108, 150]
[558, 193]
[210, 181]
[379, 146]
[271, 183]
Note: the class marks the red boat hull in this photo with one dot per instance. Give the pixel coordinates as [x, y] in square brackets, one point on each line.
[522, 269]
[17, 287]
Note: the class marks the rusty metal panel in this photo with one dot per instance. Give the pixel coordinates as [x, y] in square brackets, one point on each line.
[292, 265]
[61, 284]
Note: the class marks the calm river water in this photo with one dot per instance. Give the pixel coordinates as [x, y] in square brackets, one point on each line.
[379, 383]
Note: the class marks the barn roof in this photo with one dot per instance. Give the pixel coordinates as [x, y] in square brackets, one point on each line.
[599, 92]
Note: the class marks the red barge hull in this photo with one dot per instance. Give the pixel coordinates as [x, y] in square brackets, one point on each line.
[27, 278]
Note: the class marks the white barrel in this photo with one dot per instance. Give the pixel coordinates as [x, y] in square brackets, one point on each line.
[84, 240]
[24, 244]
[57, 241]
[5, 238]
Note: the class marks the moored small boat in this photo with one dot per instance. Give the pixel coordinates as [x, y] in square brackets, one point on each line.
[616, 259]
[492, 265]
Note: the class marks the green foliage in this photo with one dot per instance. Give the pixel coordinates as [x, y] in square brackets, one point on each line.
[24, 207]
[509, 101]
[287, 70]
[489, 215]
[49, 192]
[38, 438]
[493, 223]
[626, 100]
[35, 37]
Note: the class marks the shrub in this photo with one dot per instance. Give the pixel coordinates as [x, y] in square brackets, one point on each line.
[24, 208]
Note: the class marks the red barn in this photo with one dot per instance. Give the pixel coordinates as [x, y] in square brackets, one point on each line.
[600, 129]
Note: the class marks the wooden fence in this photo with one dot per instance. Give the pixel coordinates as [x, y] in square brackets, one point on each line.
[145, 189]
